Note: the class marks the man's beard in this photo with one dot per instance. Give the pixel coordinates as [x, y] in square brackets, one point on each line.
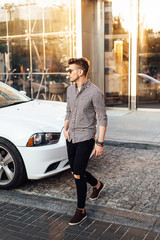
[75, 79]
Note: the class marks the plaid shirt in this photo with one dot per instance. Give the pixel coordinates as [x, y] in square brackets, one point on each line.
[81, 111]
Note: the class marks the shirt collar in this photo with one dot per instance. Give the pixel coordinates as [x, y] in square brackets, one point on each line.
[84, 85]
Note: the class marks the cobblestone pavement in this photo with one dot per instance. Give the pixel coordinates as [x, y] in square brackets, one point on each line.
[131, 177]
[132, 187]
[19, 223]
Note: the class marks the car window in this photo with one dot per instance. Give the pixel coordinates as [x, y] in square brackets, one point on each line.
[10, 96]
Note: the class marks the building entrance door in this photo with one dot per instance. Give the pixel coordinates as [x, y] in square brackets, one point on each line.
[148, 80]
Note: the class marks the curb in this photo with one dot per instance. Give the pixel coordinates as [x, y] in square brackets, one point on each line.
[137, 145]
[106, 214]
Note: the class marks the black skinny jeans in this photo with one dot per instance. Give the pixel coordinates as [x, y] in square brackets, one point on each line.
[78, 155]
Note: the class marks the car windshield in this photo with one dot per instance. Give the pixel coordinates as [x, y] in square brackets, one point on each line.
[10, 96]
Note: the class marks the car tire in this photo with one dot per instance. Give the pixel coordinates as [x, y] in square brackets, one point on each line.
[12, 169]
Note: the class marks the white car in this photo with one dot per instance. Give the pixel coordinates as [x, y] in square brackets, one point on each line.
[32, 144]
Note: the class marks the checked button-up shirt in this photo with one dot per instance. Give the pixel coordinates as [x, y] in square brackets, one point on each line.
[83, 109]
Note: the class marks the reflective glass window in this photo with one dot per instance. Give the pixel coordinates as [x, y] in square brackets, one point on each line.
[17, 17]
[37, 54]
[148, 81]
[57, 52]
[36, 18]
[57, 16]
[36, 39]
[3, 30]
[19, 62]
[20, 59]
[116, 52]
[4, 57]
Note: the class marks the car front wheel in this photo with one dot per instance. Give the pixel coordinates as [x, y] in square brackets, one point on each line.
[12, 170]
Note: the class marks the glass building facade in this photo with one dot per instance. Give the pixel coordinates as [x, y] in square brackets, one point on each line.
[120, 38]
[36, 39]
[132, 54]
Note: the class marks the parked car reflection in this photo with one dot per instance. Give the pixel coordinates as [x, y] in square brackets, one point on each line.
[148, 88]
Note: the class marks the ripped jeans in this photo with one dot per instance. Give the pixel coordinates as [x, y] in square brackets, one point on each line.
[78, 155]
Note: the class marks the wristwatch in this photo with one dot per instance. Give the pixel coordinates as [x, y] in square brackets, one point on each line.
[100, 144]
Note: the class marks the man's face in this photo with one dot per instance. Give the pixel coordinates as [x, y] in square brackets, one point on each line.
[73, 72]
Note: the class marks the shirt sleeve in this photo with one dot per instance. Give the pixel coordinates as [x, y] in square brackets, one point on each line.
[100, 109]
[68, 110]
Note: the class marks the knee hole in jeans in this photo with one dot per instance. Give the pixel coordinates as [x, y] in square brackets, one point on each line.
[76, 176]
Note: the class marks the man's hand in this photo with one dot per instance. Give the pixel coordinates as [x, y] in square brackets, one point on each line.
[66, 135]
[98, 151]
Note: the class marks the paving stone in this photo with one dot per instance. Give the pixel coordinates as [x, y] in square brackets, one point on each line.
[12, 238]
[5, 234]
[60, 236]
[120, 232]
[129, 175]
[70, 237]
[11, 217]
[151, 236]
[132, 184]
[134, 234]
[5, 223]
[158, 237]
[96, 234]
[22, 236]
[74, 230]
[44, 235]
[82, 238]
[19, 224]
[108, 236]
[59, 229]
[27, 228]
[13, 227]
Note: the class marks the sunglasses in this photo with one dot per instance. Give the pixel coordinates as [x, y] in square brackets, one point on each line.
[71, 70]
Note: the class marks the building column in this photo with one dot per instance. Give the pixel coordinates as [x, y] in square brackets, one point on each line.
[100, 45]
[93, 39]
[134, 39]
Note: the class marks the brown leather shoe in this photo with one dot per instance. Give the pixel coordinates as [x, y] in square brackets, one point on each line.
[96, 192]
[78, 217]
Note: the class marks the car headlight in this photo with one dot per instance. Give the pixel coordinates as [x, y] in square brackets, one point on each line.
[40, 139]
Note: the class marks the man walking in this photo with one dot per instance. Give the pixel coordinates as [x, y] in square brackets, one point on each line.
[84, 102]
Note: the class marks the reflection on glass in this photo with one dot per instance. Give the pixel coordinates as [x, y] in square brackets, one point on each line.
[3, 58]
[19, 63]
[116, 52]
[36, 39]
[36, 18]
[149, 55]
[56, 19]
[17, 17]
[44, 87]
[37, 54]
[57, 52]
[19, 49]
[3, 30]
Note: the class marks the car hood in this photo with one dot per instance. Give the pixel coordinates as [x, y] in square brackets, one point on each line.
[32, 117]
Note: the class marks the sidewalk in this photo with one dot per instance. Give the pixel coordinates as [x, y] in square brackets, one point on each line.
[139, 127]
[21, 223]
[130, 196]
[129, 169]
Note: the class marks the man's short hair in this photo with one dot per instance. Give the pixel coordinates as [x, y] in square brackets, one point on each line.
[82, 63]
